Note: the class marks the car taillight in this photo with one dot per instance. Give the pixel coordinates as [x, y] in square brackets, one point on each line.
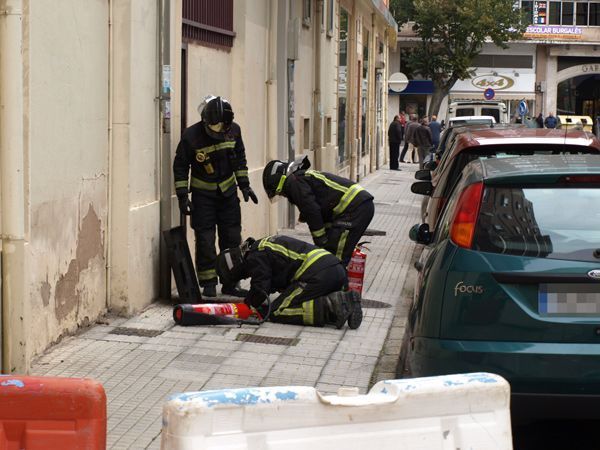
[465, 216]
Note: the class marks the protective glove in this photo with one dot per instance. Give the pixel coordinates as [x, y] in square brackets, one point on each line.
[320, 241]
[248, 193]
[185, 206]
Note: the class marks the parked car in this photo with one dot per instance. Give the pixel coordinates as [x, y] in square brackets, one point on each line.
[462, 108]
[471, 120]
[470, 143]
[509, 282]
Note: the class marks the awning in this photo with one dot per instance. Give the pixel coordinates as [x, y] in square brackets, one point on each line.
[470, 95]
[424, 87]
[506, 86]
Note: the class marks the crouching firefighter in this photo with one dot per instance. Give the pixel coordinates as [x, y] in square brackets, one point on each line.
[214, 151]
[337, 210]
[310, 281]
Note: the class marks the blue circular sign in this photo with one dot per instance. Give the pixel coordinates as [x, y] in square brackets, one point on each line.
[523, 109]
[489, 94]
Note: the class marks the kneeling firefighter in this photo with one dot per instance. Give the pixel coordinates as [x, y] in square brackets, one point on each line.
[310, 281]
[337, 210]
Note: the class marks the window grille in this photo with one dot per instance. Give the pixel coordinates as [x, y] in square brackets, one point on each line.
[208, 22]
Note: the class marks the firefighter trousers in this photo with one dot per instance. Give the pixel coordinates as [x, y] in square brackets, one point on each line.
[214, 213]
[303, 302]
[347, 229]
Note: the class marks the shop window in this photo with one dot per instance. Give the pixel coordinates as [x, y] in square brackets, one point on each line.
[208, 22]
[567, 13]
[582, 13]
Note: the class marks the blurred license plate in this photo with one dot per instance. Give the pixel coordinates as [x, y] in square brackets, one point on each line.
[569, 299]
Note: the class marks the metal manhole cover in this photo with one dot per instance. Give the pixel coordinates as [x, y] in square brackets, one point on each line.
[266, 339]
[136, 332]
[366, 303]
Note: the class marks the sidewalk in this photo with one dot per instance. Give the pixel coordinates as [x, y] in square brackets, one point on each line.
[142, 360]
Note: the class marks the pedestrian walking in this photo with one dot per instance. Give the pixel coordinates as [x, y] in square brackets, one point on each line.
[409, 146]
[337, 210]
[550, 121]
[312, 282]
[214, 152]
[394, 140]
[423, 141]
[436, 131]
[540, 120]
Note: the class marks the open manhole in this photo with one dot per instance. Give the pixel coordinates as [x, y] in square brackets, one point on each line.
[257, 339]
[142, 332]
[366, 303]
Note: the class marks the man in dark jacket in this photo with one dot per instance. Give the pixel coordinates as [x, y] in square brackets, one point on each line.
[394, 140]
[436, 131]
[423, 141]
[409, 143]
[337, 210]
[312, 282]
[214, 151]
[550, 121]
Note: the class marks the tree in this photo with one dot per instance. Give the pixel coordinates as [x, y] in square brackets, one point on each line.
[452, 34]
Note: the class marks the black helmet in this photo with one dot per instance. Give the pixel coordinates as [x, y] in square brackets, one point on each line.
[217, 116]
[272, 174]
[230, 263]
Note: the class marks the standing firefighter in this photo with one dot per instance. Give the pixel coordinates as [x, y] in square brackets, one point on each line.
[309, 279]
[214, 150]
[336, 210]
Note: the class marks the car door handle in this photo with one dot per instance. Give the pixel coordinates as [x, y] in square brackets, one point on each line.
[418, 265]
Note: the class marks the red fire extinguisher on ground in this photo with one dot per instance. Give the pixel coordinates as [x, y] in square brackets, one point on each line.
[356, 268]
[215, 314]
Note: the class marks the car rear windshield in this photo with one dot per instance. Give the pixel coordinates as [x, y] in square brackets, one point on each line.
[555, 222]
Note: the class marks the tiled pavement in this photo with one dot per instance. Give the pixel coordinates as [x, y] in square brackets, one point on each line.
[142, 360]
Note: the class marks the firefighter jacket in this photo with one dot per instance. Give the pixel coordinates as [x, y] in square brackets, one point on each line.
[216, 165]
[274, 262]
[322, 197]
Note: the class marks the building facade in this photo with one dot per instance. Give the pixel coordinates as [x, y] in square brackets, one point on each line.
[93, 98]
[553, 68]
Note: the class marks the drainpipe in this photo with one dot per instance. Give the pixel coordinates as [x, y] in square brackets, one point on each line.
[317, 108]
[13, 170]
[109, 199]
[164, 118]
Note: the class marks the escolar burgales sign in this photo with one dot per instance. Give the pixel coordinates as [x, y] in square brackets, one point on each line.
[552, 32]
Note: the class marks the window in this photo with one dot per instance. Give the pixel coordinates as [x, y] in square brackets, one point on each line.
[330, 13]
[306, 12]
[343, 152]
[208, 22]
[306, 133]
[562, 12]
[504, 61]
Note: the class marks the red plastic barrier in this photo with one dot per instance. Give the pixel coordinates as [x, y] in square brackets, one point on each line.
[51, 413]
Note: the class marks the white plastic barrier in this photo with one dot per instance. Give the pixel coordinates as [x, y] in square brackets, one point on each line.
[467, 411]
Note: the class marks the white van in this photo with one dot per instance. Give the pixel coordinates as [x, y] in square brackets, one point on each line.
[498, 110]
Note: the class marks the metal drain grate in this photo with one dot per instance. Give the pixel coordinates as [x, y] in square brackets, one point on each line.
[266, 339]
[366, 303]
[136, 332]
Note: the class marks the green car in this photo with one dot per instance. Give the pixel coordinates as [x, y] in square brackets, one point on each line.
[509, 282]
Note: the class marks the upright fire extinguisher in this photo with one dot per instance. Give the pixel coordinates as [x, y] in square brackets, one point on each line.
[356, 268]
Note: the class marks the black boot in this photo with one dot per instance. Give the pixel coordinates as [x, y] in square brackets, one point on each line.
[210, 290]
[356, 314]
[338, 309]
[234, 290]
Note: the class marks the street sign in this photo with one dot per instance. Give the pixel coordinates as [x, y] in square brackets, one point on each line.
[397, 82]
[489, 94]
[523, 109]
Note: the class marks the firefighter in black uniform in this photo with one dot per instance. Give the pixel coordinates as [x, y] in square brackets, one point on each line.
[336, 210]
[310, 281]
[214, 150]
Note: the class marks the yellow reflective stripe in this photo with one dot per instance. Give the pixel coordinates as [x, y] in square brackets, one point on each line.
[341, 244]
[211, 186]
[224, 185]
[214, 148]
[327, 181]
[347, 199]
[241, 173]
[265, 243]
[207, 274]
[280, 184]
[286, 302]
[311, 258]
[318, 233]
[309, 312]
[206, 185]
[181, 184]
